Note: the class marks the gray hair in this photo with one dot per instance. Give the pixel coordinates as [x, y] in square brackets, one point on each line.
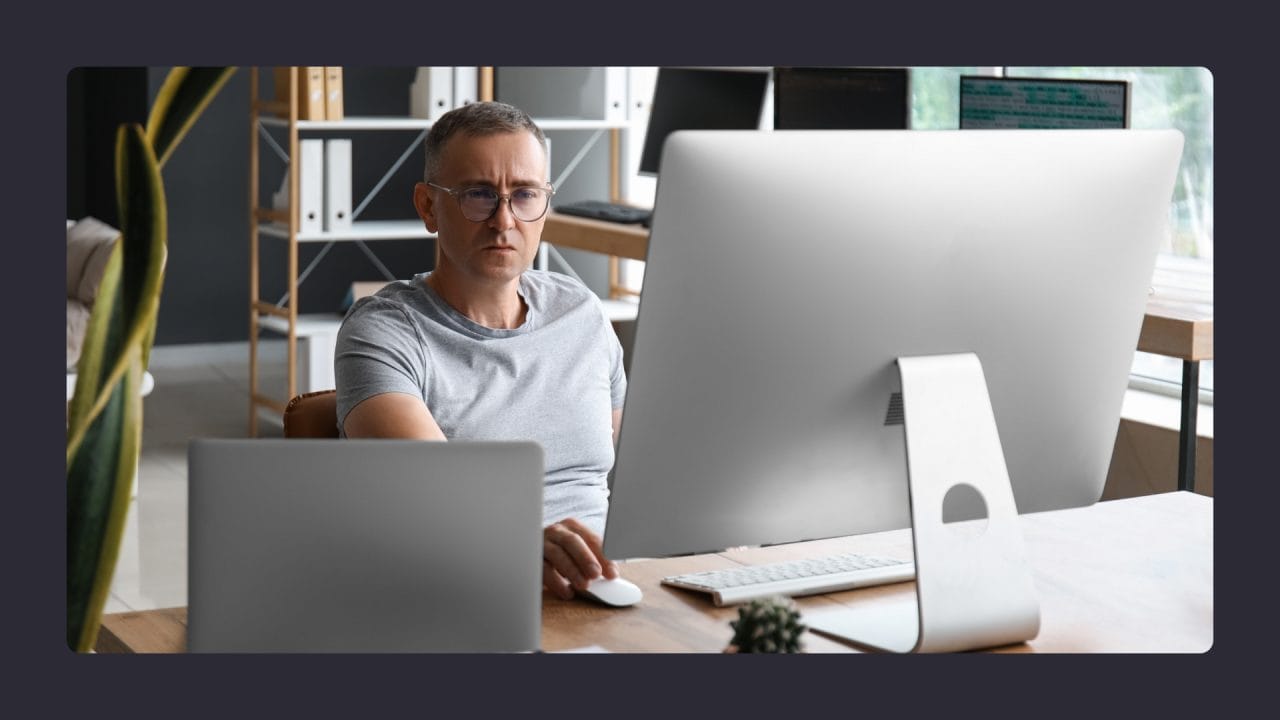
[476, 119]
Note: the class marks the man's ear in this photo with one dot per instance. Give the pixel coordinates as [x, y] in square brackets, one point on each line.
[424, 203]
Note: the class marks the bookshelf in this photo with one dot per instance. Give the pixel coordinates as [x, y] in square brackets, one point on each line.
[271, 225]
[310, 337]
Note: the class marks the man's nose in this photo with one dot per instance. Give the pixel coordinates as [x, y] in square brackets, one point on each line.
[502, 218]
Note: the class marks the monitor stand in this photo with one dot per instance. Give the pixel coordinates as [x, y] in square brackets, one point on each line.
[973, 586]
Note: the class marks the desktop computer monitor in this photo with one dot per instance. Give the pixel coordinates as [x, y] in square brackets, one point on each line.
[787, 271]
[701, 99]
[1042, 103]
[841, 98]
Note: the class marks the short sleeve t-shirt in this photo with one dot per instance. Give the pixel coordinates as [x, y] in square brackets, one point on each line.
[555, 379]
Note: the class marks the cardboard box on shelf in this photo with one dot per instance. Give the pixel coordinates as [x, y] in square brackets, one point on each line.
[361, 288]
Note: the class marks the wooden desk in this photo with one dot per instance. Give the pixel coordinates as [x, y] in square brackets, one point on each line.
[1183, 331]
[1131, 575]
[609, 238]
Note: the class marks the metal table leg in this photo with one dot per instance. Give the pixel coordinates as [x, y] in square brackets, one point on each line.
[1187, 433]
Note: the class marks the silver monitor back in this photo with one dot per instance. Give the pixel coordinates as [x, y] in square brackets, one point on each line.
[786, 272]
[364, 546]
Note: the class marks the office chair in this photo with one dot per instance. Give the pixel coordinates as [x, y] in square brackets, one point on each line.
[312, 415]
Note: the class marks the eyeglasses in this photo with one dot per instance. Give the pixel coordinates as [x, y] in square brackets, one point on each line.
[479, 203]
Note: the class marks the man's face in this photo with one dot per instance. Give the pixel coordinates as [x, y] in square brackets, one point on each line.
[499, 249]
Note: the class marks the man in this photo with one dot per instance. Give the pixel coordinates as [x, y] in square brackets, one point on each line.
[482, 347]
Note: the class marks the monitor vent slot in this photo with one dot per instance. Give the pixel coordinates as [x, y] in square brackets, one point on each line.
[895, 414]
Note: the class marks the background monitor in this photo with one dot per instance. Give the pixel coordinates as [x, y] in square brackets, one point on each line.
[1014, 102]
[701, 99]
[836, 98]
[775, 306]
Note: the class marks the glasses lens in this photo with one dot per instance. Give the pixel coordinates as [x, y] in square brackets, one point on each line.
[477, 203]
[528, 204]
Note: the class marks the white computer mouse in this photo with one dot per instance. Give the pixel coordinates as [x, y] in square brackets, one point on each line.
[617, 592]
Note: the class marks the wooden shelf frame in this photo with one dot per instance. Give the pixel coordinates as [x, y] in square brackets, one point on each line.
[284, 225]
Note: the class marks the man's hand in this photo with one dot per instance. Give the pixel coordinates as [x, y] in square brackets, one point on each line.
[572, 555]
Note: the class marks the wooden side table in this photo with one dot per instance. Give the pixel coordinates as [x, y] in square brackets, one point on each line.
[1183, 331]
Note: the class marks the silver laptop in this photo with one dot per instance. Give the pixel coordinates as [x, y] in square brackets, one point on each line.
[364, 546]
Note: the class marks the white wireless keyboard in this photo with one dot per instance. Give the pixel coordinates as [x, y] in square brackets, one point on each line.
[809, 576]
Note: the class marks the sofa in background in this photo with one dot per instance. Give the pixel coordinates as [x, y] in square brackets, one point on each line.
[89, 245]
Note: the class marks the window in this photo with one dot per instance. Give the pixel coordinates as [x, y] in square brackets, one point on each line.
[1161, 97]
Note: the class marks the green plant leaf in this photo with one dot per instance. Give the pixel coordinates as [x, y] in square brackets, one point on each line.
[98, 488]
[106, 414]
[128, 298]
[183, 97]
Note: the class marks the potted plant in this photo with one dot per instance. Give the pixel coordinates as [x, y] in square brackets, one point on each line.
[104, 424]
[766, 625]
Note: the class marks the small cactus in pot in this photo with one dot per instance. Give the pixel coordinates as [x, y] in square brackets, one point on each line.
[766, 625]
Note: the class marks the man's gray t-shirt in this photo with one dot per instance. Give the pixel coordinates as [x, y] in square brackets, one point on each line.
[555, 379]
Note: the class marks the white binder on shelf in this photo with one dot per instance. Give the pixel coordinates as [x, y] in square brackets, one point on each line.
[640, 86]
[431, 94]
[615, 94]
[310, 185]
[466, 85]
[337, 184]
[635, 188]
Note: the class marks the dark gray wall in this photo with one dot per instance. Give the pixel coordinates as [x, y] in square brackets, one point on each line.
[206, 291]
[98, 101]
[205, 297]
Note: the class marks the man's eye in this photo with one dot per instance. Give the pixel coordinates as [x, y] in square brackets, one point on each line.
[526, 194]
[478, 194]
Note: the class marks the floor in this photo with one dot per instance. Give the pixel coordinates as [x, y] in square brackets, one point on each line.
[200, 391]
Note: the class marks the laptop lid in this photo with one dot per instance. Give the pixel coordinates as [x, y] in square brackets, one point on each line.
[364, 546]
